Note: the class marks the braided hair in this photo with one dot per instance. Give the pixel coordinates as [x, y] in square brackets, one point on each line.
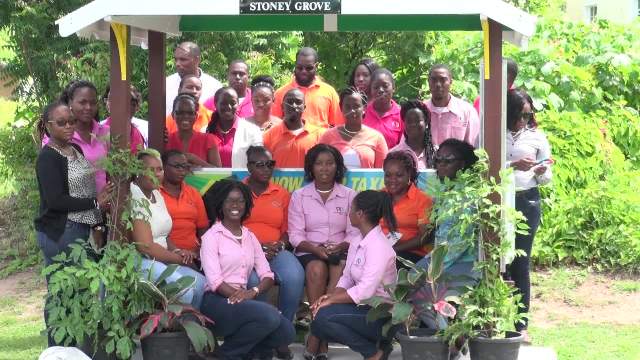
[352, 91]
[376, 205]
[407, 160]
[429, 148]
[41, 126]
[184, 96]
[263, 81]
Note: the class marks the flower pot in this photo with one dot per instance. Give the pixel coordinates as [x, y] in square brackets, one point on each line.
[422, 345]
[496, 349]
[171, 345]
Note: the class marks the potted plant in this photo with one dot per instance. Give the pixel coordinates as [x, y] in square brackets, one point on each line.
[416, 292]
[167, 330]
[489, 310]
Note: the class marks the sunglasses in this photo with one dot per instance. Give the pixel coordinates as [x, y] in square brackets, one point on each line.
[445, 161]
[185, 167]
[63, 123]
[528, 116]
[260, 164]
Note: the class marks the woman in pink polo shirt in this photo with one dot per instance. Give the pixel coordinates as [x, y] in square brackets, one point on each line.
[319, 227]
[229, 253]
[383, 114]
[341, 316]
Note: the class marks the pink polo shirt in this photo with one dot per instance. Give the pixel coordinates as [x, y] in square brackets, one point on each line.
[94, 150]
[244, 110]
[421, 160]
[390, 124]
[457, 120]
[225, 143]
[136, 140]
[225, 259]
[371, 264]
[320, 223]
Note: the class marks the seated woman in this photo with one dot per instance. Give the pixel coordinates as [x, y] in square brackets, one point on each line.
[234, 134]
[229, 253]
[417, 133]
[453, 156]
[184, 204]
[383, 114]
[410, 206]
[151, 230]
[191, 84]
[262, 90]
[341, 316]
[319, 227]
[360, 145]
[360, 78]
[200, 149]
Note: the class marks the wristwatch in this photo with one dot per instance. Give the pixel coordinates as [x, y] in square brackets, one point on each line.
[256, 290]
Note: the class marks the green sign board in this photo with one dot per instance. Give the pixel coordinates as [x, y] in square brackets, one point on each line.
[302, 7]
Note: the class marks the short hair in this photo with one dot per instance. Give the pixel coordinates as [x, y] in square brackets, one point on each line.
[169, 154]
[463, 150]
[383, 71]
[187, 77]
[352, 91]
[189, 46]
[512, 69]
[256, 149]
[184, 96]
[135, 94]
[516, 99]
[366, 62]
[376, 205]
[45, 117]
[263, 81]
[149, 152]
[218, 193]
[312, 155]
[440, 67]
[429, 149]
[291, 91]
[307, 51]
[211, 128]
[237, 61]
[407, 160]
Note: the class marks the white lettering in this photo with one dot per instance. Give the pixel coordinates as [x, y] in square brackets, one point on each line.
[327, 6]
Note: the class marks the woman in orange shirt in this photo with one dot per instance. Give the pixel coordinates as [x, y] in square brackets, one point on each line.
[360, 145]
[410, 206]
[268, 221]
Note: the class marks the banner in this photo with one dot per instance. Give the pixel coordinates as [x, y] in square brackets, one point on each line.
[307, 7]
[293, 179]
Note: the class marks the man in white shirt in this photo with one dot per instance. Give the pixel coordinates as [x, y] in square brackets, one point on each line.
[187, 60]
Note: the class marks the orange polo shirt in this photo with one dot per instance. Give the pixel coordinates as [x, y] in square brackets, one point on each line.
[412, 211]
[322, 104]
[269, 216]
[188, 214]
[200, 125]
[288, 150]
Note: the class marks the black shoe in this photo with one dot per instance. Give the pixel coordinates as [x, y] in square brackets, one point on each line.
[284, 355]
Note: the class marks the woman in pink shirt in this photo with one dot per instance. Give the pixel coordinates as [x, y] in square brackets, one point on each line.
[229, 253]
[341, 316]
[360, 145]
[136, 140]
[319, 227]
[383, 114]
[417, 134]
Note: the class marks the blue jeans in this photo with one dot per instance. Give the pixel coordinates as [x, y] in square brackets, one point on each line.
[347, 324]
[193, 296]
[73, 231]
[290, 277]
[249, 327]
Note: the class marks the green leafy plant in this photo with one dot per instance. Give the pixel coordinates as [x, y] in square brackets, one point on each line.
[169, 315]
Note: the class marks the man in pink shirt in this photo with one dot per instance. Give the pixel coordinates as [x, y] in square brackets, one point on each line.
[451, 117]
[238, 78]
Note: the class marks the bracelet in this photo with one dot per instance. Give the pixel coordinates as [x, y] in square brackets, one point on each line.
[99, 228]
[95, 203]
[256, 289]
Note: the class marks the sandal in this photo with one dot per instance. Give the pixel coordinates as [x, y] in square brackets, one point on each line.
[321, 356]
[306, 354]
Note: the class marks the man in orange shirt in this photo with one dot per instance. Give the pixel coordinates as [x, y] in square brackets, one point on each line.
[321, 99]
[289, 141]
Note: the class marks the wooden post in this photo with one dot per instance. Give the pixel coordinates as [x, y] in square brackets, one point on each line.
[157, 88]
[494, 131]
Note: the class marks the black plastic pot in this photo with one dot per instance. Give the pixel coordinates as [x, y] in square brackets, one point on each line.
[422, 345]
[496, 349]
[173, 345]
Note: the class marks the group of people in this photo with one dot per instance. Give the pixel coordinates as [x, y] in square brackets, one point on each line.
[324, 240]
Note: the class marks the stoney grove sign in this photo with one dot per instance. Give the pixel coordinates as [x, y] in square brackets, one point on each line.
[289, 7]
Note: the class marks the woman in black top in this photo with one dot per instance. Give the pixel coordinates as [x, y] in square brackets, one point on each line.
[69, 206]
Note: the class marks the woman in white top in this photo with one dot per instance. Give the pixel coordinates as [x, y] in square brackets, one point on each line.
[529, 153]
[151, 227]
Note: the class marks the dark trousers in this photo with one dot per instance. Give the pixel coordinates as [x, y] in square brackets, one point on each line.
[249, 327]
[528, 202]
[347, 324]
[408, 255]
[73, 231]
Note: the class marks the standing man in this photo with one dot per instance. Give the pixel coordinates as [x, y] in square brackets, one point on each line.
[451, 117]
[187, 60]
[321, 99]
[238, 78]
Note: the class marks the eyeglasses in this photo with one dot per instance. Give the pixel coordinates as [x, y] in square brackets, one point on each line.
[63, 123]
[260, 164]
[185, 166]
[528, 116]
[445, 161]
[307, 68]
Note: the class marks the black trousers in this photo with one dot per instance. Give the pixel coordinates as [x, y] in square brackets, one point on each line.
[527, 202]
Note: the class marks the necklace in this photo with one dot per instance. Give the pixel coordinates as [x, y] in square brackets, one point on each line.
[224, 132]
[344, 127]
[324, 191]
[66, 151]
